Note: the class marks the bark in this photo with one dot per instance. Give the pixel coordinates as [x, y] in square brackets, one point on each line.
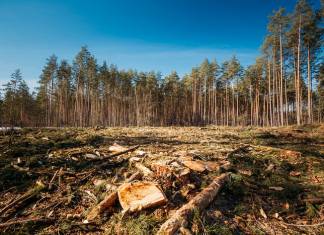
[199, 202]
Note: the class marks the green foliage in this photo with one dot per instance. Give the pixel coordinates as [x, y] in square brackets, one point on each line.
[312, 210]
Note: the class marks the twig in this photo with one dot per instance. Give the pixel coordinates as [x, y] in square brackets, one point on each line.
[29, 194]
[23, 221]
[116, 154]
[304, 225]
[8, 190]
[51, 182]
[60, 176]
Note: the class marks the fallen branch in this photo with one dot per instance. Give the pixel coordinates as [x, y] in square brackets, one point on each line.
[199, 202]
[116, 154]
[28, 195]
[23, 221]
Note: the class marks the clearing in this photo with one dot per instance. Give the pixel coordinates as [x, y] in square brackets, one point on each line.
[131, 180]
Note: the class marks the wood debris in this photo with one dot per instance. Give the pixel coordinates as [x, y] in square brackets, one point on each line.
[117, 148]
[199, 202]
[146, 171]
[140, 195]
[201, 166]
[73, 182]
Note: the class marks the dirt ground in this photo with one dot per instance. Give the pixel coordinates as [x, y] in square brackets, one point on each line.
[276, 183]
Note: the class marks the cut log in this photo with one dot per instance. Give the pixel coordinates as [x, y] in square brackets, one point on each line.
[140, 195]
[199, 202]
[109, 200]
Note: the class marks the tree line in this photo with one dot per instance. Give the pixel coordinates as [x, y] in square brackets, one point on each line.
[284, 86]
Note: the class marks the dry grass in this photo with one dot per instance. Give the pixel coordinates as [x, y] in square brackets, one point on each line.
[280, 170]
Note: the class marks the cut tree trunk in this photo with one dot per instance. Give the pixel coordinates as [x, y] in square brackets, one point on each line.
[199, 202]
[140, 195]
[109, 200]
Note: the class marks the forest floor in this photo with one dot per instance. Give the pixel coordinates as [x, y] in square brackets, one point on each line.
[276, 183]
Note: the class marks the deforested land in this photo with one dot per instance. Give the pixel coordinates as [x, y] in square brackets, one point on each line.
[166, 180]
[212, 124]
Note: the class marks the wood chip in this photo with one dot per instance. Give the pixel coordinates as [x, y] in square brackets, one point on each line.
[201, 166]
[117, 148]
[264, 215]
[146, 171]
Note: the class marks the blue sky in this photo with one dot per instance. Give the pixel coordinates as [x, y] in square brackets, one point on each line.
[160, 35]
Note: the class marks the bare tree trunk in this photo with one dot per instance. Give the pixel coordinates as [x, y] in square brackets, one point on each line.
[269, 92]
[298, 105]
[309, 88]
[281, 82]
